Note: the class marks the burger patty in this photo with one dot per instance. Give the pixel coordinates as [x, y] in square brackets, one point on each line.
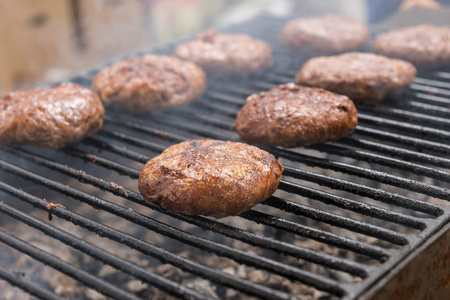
[363, 77]
[430, 4]
[290, 115]
[227, 54]
[329, 34]
[210, 177]
[426, 46]
[50, 117]
[149, 82]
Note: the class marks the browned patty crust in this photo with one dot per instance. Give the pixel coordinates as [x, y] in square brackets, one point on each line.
[290, 115]
[430, 4]
[329, 34]
[210, 177]
[227, 54]
[426, 46]
[363, 77]
[50, 117]
[149, 82]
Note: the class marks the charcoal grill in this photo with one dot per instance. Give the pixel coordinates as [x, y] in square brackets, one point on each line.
[347, 217]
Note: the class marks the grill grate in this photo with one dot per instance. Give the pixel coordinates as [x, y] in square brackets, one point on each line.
[345, 213]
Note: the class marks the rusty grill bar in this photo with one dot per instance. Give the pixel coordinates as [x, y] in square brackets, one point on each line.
[374, 185]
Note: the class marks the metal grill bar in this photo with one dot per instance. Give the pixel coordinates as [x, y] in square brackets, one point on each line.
[361, 116]
[213, 119]
[374, 193]
[430, 89]
[407, 127]
[334, 219]
[379, 176]
[427, 107]
[395, 151]
[143, 128]
[361, 208]
[17, 279]
[409, 184]
[319, 235]
[121, 169]
[172, 121]
[385, 234]
[405, 140]
[343, 150]
[66, 268]
[99, 254]
[392, 218]
[324, 197]
[416, 142]
[443, 74]
[101, 144]
[198, 129]
[431, 98]
[431, 82]
[162, 255]
[284, 270]
[134, 141]
[404, 114]
[333, 262]
[387, 161]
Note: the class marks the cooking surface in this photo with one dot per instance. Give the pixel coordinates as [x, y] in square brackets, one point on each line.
[345, 213]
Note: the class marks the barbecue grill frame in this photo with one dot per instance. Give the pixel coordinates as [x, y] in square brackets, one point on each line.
[373, 277]
[401, 283]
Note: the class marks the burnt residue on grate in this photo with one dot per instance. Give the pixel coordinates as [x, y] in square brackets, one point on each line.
[345, 213]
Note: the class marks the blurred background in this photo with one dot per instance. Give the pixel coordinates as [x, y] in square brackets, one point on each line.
[48, 40]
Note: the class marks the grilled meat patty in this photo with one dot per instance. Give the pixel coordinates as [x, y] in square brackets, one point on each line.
[210, 177]
[50, 117]
[363, 77]
[430, 4]
[325, 35]
[290, 115]
[149, 82]
[426, 46]
[227, 54]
